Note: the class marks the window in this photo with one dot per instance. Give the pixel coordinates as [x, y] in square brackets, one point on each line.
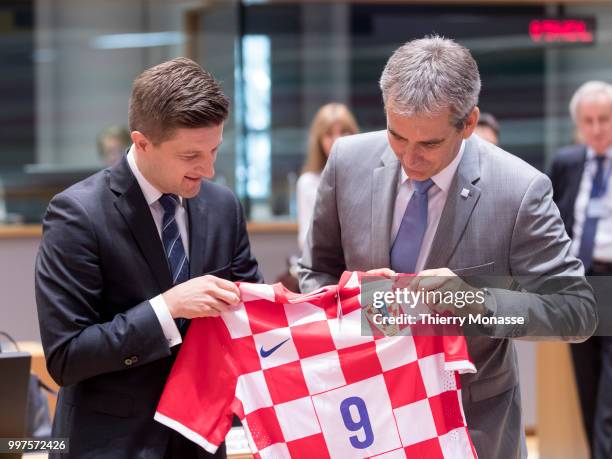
[68, 67]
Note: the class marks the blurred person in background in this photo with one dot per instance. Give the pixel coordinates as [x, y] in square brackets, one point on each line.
[113, 143]
[580, 175]
[488, 128]
[331, 121]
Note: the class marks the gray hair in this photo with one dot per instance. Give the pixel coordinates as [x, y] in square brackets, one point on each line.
[428, 75]
[586, 91]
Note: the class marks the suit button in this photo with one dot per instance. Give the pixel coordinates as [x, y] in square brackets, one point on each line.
[128, 362]
[134, 359]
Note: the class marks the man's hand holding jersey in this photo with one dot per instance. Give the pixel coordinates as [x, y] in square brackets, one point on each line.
[441, 280]
[204, 296]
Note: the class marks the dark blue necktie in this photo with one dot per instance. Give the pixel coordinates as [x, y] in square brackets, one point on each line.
[589, 229]
[407, 245]
[171, 237]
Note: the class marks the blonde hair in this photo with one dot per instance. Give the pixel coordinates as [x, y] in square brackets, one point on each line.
[326, 117]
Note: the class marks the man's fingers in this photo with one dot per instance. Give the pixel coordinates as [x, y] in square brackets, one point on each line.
[213, 313]
[212, 307]
[432, 279]
[386, 272]
[428, 283]
[226, 285]
[221, 289]
[209, 311]
[230, 297]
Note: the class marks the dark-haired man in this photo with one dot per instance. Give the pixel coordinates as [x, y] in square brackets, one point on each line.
[128, 256]
[487, 128]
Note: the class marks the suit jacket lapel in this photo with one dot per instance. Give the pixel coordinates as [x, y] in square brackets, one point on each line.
[458, 208]
[198, 219]
[132, 205]
[384, 191]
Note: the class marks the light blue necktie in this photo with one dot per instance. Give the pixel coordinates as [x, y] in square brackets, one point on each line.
[407, 245]
[589, 229]
[171, 237]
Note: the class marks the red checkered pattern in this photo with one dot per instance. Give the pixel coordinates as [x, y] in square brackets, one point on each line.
[306, 383]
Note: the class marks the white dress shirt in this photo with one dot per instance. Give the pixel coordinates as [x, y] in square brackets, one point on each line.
[603, 236]
[436, 196]
[152, 195]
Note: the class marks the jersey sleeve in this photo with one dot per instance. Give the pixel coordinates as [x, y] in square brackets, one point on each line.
[456, 355]
[199, 395]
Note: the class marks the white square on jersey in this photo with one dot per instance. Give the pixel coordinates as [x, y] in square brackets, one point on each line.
[353, 281]
[297, 419]
[275, 347]
[357, 420]
[247, 432]
[237, 322]
[456, 443]
[435, 377]
[323, 372]
[397, 454]
[303, 313]
[346, 332]
[415, 422]
[275, 451]
[252, 390]
[258, 292]
[396, 351]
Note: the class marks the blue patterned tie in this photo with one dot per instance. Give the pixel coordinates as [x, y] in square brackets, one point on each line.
[171, 237]
[589, 229]
[407, 245]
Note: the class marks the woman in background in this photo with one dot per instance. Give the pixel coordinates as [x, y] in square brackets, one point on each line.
[333, 120]
[113, 143]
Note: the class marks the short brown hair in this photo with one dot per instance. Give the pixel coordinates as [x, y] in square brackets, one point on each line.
[175, 94]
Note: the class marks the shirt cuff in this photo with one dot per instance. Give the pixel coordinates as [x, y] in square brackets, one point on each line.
[171, 331]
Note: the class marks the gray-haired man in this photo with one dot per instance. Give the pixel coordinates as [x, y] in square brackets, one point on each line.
[486, 212]
[580, 176]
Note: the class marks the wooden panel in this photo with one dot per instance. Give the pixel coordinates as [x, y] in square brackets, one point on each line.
[272, 227]
[20, 231]
[559, 427]
[26, 231]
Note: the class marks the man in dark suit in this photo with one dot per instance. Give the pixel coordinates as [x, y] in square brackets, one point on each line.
[580, 176]
[128, 256]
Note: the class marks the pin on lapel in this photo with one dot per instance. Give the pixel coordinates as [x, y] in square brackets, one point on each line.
[465, 193]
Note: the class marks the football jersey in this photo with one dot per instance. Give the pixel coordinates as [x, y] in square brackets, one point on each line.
[306, 383]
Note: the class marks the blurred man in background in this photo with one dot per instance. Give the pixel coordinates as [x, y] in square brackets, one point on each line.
[488, 128]
[580, 176]
[113, 143]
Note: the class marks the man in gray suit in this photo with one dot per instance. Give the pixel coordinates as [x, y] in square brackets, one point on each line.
[426, 197]
[580, 176]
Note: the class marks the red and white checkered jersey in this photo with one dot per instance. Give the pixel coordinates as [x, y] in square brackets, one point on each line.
[305, 383]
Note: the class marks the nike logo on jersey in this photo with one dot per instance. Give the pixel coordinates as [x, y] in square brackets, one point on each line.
[267, 353]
